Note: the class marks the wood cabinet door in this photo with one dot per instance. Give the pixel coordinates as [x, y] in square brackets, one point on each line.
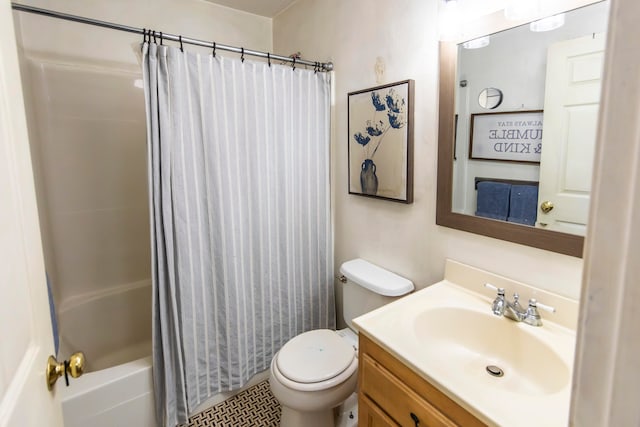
[370, 415]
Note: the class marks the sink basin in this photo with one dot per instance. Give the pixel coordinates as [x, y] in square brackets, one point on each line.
[465, 342]
[447, 334]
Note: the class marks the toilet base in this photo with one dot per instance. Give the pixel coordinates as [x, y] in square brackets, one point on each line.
[292, 418]
[344, 415]
[347, 413]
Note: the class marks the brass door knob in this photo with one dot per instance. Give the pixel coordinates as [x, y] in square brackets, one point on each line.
[74, 366]
[546, 206]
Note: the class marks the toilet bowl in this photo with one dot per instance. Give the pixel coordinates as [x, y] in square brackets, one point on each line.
[312, 374]
[316, 371]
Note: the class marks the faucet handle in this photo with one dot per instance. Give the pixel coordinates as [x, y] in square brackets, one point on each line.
[495, 288]
[534, 303]
[499, 303]
[532, 317]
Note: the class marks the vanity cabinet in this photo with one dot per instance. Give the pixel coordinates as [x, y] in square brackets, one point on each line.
[370, 414]
[391, 394]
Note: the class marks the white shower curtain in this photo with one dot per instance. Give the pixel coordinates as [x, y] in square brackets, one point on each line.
[241, 231]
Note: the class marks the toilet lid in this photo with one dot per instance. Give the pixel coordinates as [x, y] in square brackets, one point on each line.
[315, 356]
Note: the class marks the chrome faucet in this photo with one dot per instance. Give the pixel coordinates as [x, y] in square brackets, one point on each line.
[498, 305]
[514, 311]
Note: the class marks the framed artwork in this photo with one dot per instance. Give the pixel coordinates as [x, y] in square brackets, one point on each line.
[512, 136]
[381, 142]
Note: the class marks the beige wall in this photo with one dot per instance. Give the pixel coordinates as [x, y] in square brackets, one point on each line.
[404, 239]
[194, 18]
[87, 129]
[353, 34]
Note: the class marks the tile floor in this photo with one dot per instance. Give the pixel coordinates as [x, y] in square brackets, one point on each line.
[254, 407]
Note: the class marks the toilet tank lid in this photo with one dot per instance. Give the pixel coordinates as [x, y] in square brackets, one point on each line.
[375, 278]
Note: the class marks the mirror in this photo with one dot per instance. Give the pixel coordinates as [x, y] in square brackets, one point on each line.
[522, 172]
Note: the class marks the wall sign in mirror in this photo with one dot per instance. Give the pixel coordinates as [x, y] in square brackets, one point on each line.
[381, 142]
[559, 73]
[490, 98]
[510, 136]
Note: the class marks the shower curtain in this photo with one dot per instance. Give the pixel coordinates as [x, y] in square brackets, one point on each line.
[240, 218]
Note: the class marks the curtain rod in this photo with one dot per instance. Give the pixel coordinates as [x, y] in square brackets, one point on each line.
[323, 66]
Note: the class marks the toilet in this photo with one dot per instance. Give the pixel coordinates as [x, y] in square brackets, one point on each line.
[316, 371]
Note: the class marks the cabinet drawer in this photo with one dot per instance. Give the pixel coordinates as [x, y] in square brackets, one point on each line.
[396, 399]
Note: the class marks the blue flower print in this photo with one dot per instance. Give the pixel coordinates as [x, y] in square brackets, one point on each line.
[361, 139]
[396, 121]
[388, 113]
[375, 129]
[395, 102]
[377, 102]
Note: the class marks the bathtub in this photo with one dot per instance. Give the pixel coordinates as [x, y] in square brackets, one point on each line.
[113, 329]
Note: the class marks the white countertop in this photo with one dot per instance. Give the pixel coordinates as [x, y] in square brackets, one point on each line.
[447, 347]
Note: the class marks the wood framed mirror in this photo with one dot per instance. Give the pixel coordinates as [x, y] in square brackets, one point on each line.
[447, 214]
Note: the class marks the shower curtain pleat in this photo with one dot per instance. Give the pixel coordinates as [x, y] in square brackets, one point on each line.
[240, 216]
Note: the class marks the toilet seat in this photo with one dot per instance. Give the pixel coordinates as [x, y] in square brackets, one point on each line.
[315, 360]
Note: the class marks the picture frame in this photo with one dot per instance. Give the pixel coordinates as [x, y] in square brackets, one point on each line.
[380, 144]
[512, 136]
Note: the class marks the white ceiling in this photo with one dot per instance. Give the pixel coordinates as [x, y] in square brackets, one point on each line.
[268, 8]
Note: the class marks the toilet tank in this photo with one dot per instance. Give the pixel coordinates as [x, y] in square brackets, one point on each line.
[369, 287]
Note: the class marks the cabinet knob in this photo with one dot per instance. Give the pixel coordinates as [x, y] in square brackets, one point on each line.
[415, 419]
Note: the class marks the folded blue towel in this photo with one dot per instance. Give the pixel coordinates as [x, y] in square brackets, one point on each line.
[524, 204]
[493, 200]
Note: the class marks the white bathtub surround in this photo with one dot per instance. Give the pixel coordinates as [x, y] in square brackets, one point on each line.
[241, 232]
[117, 386]
[88, 323]
[117, 396]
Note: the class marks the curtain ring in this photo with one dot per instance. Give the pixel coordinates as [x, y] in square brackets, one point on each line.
[161, 39]
[155, 41]
[294, 63]
[180, 39]
[214, 49]
[144, 35]
[315, 68]
[242, 55]
[269, 59]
